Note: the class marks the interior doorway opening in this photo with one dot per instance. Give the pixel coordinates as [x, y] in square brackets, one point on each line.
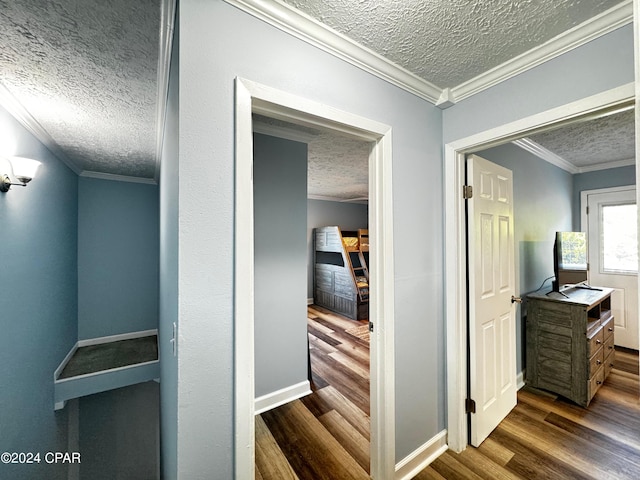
[310, 190]
[254, 98]
[456, 256]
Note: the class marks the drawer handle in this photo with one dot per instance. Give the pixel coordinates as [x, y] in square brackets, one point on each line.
[598, 362]
[599, 382]
[610, 347]
[598, 342]
[610, 329]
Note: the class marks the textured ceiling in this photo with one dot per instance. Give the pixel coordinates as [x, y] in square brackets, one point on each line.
[585, 144]
[450, 42]
[86, 71]
[337, 165]
[85, 75]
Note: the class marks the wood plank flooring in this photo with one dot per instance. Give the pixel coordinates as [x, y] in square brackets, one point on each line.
[326, 434]
[547, 437]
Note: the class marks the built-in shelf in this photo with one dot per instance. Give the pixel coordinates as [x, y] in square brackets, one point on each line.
[101, 364]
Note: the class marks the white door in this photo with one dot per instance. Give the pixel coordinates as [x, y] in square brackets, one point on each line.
[613, 256]
[492, 333]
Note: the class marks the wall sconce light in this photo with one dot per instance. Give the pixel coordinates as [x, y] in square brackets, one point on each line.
[24, 169]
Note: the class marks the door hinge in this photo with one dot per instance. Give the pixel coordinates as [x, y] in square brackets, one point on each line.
[587, 209]
[467, 192]
[469, 406]
[371, 327]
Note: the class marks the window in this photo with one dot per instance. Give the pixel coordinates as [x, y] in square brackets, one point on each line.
[619, 239]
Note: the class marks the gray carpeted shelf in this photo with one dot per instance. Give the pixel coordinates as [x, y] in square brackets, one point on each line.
[106, 356]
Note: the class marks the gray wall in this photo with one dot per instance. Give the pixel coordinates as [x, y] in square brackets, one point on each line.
[612, 177]
[280, 225]
[119, 433]
[38, 294]
[117, 257]
[261, 53]
[205, 219]
[321, 213]
[169, 273]
[542, 197]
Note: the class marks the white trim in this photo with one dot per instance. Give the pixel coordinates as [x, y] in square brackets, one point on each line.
[282, 396]
[251, 98]
[636, 55]
[118, 178]
[583, 200]
[455, 239]
[15, 108]
[606, 22]
[283, 132]
[310, 301]
[520, 383]
[116, 338]
[106, 371]
[606, 166]
[167, 21]
[358, 200]
[60, 405]
[548, 156]
[64, 362]
[420, 458]
[308, 29]
[544, 154]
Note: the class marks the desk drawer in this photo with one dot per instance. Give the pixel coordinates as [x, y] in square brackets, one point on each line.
[596, 382]
[608, 328]
[595, 341]
[596, 361]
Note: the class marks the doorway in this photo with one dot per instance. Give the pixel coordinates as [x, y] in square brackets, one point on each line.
[255, 98]
[609, 218]
[456, 256]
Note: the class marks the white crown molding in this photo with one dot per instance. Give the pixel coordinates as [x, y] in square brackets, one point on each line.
[308, 29]
[606, 166]
[606, 22]
[546, 155]
[282, 132]
[167, 21]
[15, 108]
[324, 198]
[118, 178]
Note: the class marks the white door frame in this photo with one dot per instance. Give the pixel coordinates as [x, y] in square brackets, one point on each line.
[455, 235]
[251, 98]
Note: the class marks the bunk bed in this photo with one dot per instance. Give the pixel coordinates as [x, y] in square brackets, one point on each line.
[341, 272]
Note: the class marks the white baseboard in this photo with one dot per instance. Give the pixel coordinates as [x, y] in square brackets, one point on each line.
[310, 301]
[116, 338]
[280, 397]
[416, 461]
[520, 380]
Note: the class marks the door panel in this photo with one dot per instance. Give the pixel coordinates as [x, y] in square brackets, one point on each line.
[492, 369]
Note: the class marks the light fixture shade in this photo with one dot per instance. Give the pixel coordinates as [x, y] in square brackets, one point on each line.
[24, 169]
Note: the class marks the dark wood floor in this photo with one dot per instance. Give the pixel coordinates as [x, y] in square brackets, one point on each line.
[326, 434]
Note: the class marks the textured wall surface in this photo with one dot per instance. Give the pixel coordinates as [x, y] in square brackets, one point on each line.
[86, 71]
[280, 226]
[450, 42]
[261, 53]
[117, 257]
[38, 294]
